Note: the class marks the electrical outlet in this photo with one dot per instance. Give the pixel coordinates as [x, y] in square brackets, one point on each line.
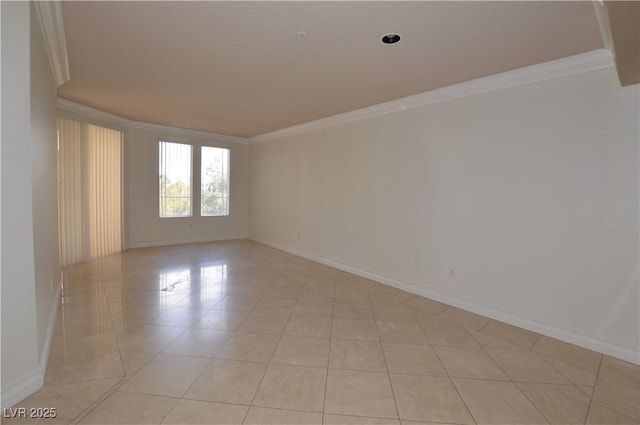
[452, 272]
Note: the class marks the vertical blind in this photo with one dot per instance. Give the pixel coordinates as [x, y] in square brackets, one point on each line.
[70, 221]
[89, 190]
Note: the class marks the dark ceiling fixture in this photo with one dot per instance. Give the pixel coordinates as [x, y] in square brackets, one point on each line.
[391, 39]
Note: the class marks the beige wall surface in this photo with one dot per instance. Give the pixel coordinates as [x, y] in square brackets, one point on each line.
[19, 342]
[530, 194]
[44, 159]
[30, 270]
[143, 226]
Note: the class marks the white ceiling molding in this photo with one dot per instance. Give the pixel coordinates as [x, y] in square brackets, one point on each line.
[92, 113]
[572, 65]
[50, 16]
[188, 132]
[105, 117]
[603, 24]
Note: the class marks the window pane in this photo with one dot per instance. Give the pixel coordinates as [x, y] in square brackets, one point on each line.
[214, 187]
[175, 179]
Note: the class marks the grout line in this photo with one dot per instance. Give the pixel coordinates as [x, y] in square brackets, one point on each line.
[252, 259]
[269, 363]
[326, 376]
[535, 342]
[393, 394]
[595, 383]
[170, 410]
[509, 379]
[93, 406]
[544, 357]
[531, 401]
[421, 327]
[455, 387]
[485, 325]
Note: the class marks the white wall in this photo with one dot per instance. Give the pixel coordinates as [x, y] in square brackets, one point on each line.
[29, 210]
[143, 225]
[44, 167]
[19, 342]
[529, 193]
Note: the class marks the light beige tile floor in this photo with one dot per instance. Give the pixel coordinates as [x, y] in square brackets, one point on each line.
[238, 332]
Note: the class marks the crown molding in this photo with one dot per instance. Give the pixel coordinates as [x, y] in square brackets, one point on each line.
[105, 117]
[186, 132]
[603, 24]
[50, 17]
[571, 65]
[94, 114]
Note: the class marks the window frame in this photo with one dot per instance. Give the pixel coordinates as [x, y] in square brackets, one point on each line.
[196, 176]
[228, 180]
[191, 180]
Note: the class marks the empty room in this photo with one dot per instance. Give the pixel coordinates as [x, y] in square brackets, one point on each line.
[325, 212]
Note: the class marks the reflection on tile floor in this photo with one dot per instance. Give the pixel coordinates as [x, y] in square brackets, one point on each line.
[238, 332]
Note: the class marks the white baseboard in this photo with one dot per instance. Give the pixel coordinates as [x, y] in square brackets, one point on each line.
[34, 382]
[584, 341]
[184, 241]
[44, 357]
[23, 389]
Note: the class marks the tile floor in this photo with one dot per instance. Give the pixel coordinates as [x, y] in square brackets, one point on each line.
[238, 332]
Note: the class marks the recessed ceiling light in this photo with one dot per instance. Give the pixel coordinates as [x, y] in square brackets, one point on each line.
[391, 39]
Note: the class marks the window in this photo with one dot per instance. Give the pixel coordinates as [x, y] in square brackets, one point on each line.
[175, 161]
[214, 181]
[176, 180]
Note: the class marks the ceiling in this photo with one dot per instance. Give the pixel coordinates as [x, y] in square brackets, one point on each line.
[241, 68]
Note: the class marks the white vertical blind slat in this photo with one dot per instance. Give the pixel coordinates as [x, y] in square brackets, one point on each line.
[89, 190]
